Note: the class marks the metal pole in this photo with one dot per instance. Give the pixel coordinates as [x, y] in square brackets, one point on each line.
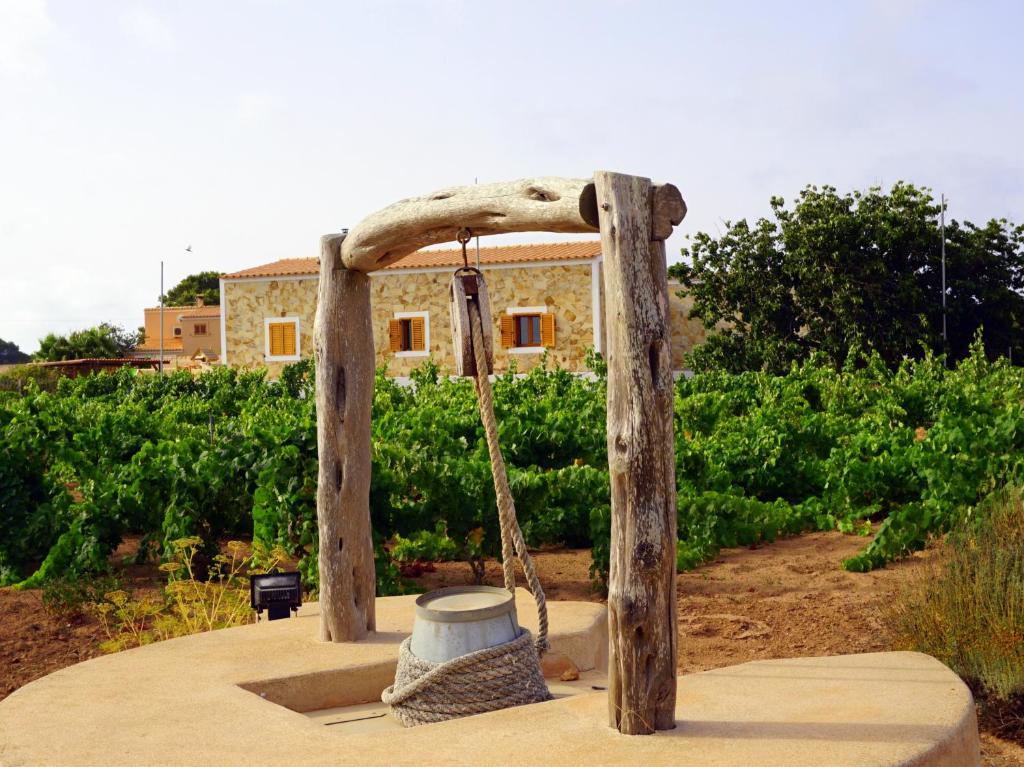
[942, 227]
[161, 364]
[475, 181]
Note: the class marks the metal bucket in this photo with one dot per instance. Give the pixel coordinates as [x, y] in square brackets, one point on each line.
[457, 620]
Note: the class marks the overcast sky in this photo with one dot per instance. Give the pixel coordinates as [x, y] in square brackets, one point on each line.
[129, 130]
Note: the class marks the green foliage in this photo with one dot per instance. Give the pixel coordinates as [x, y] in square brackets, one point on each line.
[915, 448]
[105, 341]
[205, 285]
[862, 270]
[968, 608]
[226, 454]
[425, 546]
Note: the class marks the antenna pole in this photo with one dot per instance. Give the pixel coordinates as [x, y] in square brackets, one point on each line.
[942, 228]
[161, 363]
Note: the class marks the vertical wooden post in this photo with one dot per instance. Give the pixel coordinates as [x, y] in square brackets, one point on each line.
[343, 341]
[641, 458]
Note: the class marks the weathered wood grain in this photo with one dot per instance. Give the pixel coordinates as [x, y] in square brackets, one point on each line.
[343, 342]
[527, 205]
[668, 211]
[641, 458]
[462, 338]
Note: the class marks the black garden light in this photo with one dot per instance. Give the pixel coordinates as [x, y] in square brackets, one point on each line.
[277, 593]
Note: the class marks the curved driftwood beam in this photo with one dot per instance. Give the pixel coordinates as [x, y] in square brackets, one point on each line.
[528, 205]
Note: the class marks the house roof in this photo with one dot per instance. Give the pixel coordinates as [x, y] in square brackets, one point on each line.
[96, 362]
[208, 315]
[188, 311]
[425, 259]
[170, 345]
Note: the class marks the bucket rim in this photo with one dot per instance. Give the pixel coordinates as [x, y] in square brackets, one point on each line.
[504, 607]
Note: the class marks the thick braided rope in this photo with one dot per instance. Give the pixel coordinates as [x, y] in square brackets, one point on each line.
[486, 680]
[511, 534]
[495, 677]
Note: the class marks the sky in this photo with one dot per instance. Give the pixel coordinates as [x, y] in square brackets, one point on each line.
[247, 128]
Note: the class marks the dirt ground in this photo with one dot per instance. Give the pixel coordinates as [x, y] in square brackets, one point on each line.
[783, 600]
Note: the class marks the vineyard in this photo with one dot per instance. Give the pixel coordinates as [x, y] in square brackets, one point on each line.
[228, 454]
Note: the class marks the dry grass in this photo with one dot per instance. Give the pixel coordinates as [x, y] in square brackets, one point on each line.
[968, 610]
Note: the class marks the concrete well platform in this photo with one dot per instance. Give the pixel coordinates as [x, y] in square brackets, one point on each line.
[252, 695]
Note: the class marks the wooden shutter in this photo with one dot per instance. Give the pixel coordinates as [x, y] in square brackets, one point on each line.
[395, 335]
[508, 330]
[276, 339]
[547, 330]
[417, 334]
[288, 339]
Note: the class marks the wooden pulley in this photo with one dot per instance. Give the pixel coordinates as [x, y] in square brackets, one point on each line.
[468, 288]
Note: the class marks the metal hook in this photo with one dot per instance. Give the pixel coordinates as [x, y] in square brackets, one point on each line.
[464, 235]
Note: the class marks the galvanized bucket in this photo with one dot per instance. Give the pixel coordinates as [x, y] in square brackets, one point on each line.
[457, 620]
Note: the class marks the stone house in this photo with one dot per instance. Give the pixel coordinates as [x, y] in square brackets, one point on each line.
[546, 300]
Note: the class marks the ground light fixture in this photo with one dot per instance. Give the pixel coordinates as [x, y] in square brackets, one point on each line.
[277, 593]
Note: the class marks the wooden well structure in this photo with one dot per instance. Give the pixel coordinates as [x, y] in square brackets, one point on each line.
[634, 217]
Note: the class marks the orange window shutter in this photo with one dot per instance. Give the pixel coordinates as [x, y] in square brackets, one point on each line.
[547, 330]
[395, 335]
[288, 340]
[417, 331]
[275, 339]
[508, 330]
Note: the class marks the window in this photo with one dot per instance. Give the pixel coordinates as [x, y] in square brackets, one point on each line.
[177, 332]
[282, 338]
[199, 329]
[409, 334]
[528, 329]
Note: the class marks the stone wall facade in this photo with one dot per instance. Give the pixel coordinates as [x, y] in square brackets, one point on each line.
[565, 290]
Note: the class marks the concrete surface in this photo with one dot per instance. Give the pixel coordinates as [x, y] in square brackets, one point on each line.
[237, 697]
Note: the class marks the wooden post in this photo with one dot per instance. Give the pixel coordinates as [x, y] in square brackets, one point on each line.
[343, 341]
[641, 453]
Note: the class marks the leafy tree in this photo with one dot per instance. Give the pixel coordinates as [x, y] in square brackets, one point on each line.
[859, 270]
[10, 354]
[203, 284]
[985, 288]
[103, 341]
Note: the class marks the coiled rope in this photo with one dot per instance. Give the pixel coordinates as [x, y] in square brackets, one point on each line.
[496, 677]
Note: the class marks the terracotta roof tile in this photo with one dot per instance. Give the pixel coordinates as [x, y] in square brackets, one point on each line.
[190, 311]
[207, 315]
[422, 259]
[170, 345]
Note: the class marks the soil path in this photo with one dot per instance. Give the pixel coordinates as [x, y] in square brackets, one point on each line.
[787, 599]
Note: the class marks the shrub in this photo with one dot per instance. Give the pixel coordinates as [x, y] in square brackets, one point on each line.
[425, 546]
[192, 602]
[968, 610]
[68, 597]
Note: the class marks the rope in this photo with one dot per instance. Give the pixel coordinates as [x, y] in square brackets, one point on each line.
[511, 534]
[495, 677]
[486, 680]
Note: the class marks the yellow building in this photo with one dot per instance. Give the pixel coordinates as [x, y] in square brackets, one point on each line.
[546, 300]
[189, 333]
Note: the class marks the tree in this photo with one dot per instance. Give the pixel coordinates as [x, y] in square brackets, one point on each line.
[860, 270]
[105, 341]
[10, 354]
[203, 284]
[984, 288]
